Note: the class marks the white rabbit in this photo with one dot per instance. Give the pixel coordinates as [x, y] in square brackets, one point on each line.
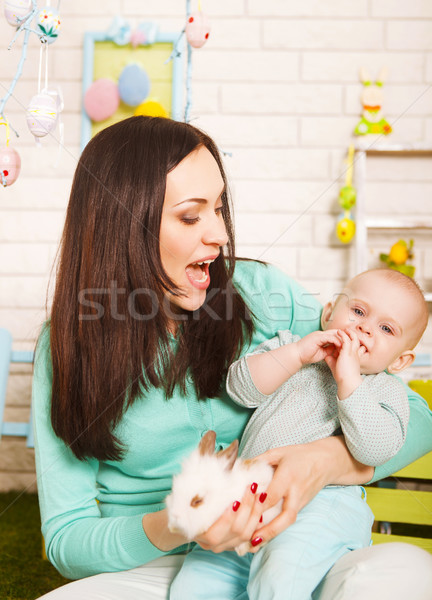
[208, 483]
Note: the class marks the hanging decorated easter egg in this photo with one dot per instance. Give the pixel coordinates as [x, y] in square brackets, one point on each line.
[197, 29]
[150, 108]
[48, 24]
[10, 165]
[41, 114]
[14, 9]
[133, 85]
[101, 100]
[347, 197]
[345, 230]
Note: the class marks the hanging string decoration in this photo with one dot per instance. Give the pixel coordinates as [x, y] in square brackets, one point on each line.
[197, 32]
[345, 228]
[197, 29]
[10, 161]
[48, 24]
[45, 106]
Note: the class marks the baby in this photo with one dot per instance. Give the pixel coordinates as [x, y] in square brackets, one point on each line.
[331, 381]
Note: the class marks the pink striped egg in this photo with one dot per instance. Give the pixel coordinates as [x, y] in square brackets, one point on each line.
[16, 8]
[41, 114]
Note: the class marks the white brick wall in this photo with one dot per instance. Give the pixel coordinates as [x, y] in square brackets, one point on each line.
[277, 86]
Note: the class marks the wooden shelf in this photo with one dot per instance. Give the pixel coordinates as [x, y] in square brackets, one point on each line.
[398, 223]
[384, 147]
[381, 147]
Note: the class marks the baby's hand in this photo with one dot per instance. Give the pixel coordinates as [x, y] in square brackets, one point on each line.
[318, 345]
[346, 366]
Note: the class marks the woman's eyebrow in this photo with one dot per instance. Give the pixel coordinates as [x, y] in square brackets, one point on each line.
[198, 200]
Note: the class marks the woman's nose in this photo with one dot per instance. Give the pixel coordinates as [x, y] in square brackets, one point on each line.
[216, 234]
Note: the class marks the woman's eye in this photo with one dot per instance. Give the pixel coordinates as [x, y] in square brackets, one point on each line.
[219, 210]
[189, 220]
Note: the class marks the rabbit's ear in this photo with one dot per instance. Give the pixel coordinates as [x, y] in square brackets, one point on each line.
[207, 443]
[364, 76]
[230, 454]
[382, 76]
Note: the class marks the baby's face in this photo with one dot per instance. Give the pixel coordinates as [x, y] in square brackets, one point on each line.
[383, 316]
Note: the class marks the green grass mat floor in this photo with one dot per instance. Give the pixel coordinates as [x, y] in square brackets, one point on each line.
[24, 574]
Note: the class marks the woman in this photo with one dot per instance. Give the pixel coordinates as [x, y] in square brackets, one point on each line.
[150, 308]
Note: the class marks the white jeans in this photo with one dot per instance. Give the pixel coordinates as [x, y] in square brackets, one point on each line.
[384, 572]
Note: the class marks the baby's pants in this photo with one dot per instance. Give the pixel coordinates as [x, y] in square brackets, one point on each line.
[291, 565]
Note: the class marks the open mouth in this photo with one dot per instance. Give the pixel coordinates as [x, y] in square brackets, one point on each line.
[198, 273]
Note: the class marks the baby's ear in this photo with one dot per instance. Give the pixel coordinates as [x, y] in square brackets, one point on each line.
[402, 362]
[326, 314]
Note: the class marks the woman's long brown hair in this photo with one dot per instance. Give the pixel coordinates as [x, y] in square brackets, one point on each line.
[106, 351]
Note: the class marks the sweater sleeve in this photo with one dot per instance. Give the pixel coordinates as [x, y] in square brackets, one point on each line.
[374, 419]
[240, 385]
[79, 542]
[418, 440]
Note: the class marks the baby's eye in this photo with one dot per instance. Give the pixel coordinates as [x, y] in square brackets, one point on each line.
[358, 311]
[387, 329]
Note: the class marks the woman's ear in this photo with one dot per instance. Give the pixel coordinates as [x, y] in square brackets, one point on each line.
[326, 314]
[402, 362]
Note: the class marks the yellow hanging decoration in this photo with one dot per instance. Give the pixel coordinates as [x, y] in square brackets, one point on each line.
[345, 229]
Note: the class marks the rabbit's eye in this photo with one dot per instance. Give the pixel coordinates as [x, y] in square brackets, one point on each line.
[196, 501]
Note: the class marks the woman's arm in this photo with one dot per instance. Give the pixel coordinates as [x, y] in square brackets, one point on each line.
[79, 541]
[301, 471]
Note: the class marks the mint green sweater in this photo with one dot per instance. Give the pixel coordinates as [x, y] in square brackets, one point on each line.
[91, 511]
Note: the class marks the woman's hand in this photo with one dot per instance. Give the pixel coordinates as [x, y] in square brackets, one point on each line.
[234, 527]
[301, 471]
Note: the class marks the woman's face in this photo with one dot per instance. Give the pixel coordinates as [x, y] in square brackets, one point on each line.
[192, 228]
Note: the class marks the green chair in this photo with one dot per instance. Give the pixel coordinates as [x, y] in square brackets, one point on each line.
[8, 356]
[401, 504]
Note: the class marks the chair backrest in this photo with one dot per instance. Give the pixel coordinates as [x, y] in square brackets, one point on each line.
[8, 356]
[397, 503]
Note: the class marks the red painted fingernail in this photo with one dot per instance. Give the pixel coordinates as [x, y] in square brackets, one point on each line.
[262, 497]
[256, 541]
[254, 488]
[236, 506]
[261, 519]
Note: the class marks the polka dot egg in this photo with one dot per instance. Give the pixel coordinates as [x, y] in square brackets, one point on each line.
[197, 29]
[10, 166]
